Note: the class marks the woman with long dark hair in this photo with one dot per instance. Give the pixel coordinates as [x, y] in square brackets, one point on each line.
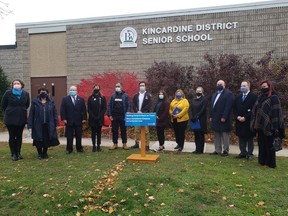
[267, 122]
[96, 109]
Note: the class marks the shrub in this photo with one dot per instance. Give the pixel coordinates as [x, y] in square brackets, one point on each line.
[4, 85]
[107, 83]
[169, 77]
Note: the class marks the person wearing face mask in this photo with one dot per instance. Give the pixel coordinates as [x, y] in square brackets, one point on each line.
[73, 114]
[142, 102]
[243, 105]
[118, 106]
[267, 121]
[96, 107]
[15, 103]
[42, 122]
[162, 118]
[222, 102]
[178, 111]
[198, 111]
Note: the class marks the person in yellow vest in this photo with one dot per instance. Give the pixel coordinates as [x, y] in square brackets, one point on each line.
[179, 108]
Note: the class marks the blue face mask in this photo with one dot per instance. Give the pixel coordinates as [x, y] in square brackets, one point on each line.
[142, 88]
[72, 93]
[118, 89]
[178, 95]
[243, 89]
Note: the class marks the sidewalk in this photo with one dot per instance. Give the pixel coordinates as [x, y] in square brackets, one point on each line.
[169, 145]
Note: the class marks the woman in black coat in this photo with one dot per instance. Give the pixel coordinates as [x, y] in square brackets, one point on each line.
[15, 103]
[198, 111]
[96, 109]
[43, 120]
[162, 118]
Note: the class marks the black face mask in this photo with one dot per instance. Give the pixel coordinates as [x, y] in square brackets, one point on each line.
[43, 95]
[199, 94]
[219, 87]
[96, 91]
[264, 90]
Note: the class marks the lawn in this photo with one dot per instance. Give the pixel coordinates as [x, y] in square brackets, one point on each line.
[104, 183]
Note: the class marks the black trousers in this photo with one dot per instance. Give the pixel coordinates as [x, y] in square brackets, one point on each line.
[116, 123]
[199, 141]
[160, 135]
[15, 138]
[267, 155]
[96, 131]
[244, 143]
[179, 130]
[70, 130]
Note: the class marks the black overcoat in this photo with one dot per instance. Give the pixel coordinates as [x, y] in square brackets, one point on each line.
[244, 108]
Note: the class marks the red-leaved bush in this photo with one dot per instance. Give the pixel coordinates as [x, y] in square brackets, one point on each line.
[107, 83]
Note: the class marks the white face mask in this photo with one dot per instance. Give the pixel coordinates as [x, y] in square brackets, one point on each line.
[161, 97]
[17, 86]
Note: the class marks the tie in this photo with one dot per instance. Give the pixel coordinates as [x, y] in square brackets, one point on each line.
[74, 100]
[243, 97]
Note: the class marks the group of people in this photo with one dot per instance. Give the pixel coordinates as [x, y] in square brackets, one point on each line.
[254, 115]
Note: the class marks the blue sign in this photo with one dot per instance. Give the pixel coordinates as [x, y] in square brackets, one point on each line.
[140, 119]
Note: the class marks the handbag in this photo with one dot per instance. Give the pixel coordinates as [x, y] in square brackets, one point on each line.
[195, 125]
[277, 144]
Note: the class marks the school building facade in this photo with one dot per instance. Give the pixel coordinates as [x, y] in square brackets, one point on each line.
[60, 53]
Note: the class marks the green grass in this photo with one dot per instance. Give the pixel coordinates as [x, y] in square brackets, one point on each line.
[99, 183]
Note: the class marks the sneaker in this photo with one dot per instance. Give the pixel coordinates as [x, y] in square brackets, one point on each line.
[177, 147]
[125, 146]
[249, 157]
[136, 145]
[115, 146]
[224, 154]
[214, 153]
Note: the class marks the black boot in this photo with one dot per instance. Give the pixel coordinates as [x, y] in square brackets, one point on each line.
[40, 153]
[45, 155]
[94, 148]
[19, 151]
[136, 145]
[98, 148]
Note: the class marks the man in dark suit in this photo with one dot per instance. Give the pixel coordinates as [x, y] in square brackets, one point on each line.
[142, 102]
[221, 118]
[73, 113]
[243, 105]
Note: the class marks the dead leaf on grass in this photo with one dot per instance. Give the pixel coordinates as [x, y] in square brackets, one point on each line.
[180, 190]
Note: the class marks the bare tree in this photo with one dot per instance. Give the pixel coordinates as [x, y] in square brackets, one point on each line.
[4, 9]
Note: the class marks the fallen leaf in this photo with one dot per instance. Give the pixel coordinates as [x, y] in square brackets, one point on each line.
[224, 198]
[78, 214]
[136, 194]
[45, 195]
[162, 204]
[137, 211]
[234, 173]
[231, 205]
[239, 185]
[123, 200]
[180, 191]
[111, 210]
[46, 211]
[146, 205]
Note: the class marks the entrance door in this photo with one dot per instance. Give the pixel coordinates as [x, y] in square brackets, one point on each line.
[57, 87]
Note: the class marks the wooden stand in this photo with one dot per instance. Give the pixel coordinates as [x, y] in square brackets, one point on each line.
[142, 157]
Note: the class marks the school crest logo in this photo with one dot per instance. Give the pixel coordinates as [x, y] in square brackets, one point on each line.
[128, 37]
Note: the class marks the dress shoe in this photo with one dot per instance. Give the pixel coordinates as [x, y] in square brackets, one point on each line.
[214, 153]
[14, 157]
[125, 146]
[98, 148]
[94, 149]
[136, 145]
[195, 152]
[177, 147]
[45, 156]
[115, 146]
[69, 152]
[224, 154]
[80, 150]
[40, 157]
[20, 156]
[240, 156]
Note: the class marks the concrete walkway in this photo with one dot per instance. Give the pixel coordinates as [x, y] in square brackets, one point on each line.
[169, 145]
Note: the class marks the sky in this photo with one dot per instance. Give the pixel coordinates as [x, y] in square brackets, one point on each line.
[27, 11]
